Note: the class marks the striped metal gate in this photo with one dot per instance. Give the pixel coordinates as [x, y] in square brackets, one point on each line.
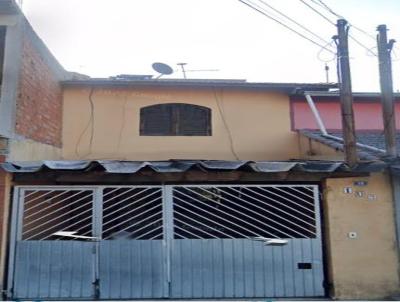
[214, 251]
[178, 241]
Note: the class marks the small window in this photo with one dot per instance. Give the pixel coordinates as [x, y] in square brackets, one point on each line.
[175, 120]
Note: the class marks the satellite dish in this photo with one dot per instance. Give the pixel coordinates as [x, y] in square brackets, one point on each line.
[162, 68]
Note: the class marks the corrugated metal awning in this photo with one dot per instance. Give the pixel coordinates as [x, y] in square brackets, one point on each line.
[171, 166]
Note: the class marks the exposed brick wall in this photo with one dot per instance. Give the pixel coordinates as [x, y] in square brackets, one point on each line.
[39, 98]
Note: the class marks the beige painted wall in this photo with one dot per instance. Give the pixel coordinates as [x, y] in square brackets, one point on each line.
[248, 117]
[313, 150]
[365, 267]
[29, 150]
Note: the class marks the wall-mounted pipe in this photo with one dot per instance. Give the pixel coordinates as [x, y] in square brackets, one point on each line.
[324, 133]
[316, 114]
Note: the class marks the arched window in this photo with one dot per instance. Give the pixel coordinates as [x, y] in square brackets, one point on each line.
[175, 119]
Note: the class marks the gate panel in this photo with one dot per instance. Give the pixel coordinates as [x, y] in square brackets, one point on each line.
[132, 269]
[238, 268]
[215, 251]
[47, 265]
[53, 269]
[132, 254]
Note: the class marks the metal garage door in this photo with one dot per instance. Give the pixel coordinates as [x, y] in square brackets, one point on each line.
[181, 241]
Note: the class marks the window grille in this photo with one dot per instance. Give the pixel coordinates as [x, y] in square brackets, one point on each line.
[175, 120]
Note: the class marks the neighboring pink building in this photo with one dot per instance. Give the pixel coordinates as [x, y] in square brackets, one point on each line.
[367, 111]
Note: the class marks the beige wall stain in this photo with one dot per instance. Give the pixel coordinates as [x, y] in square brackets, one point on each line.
[241, 125]
[365, 267]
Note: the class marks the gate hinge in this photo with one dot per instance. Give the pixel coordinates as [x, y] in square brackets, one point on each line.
[7, 293]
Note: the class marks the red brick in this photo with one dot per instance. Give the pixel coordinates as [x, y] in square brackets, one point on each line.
[39, 102]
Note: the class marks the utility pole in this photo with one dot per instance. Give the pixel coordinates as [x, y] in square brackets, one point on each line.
[346, 96]
[386, 81]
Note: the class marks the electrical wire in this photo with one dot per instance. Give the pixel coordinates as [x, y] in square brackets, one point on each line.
[396, 56]
[123, 122]
[318, 12]
[320, 52]
[372, 37]
[90, 124]
[326, 7]
[368, 49]
[221, 112]
[294, 21]
[284, 25]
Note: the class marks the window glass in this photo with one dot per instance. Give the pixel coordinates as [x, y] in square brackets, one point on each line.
[175, 120]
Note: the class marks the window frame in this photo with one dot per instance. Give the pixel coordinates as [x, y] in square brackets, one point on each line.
[176, 119]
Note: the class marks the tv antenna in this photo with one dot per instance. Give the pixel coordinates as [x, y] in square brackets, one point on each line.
[184, 71]
[182, 65]
[162, 69]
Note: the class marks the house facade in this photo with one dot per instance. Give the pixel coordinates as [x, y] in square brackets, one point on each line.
[131, 187]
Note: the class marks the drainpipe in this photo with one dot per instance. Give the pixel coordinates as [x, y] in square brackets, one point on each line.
[324, 133]
[316, 114]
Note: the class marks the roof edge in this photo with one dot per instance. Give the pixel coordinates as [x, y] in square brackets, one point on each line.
[182, 166]
[293, 88]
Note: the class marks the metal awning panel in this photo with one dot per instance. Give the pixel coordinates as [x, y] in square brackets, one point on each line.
[180, 166]
[67, 164]
[320, 166]
[222, 164]
[267, 166]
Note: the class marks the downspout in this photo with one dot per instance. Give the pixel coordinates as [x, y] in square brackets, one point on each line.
[325, 134]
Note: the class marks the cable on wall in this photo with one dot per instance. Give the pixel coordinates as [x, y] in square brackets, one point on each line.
[222, 114]
[90, 124]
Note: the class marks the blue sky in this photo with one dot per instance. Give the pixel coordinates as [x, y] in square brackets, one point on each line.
[107, 37]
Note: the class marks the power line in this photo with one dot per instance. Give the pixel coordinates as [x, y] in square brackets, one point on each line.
[326, 7]
[317, 12]
[286, 26]
[294, 21]
[339, 16]
[368, 49]
[320, 52]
